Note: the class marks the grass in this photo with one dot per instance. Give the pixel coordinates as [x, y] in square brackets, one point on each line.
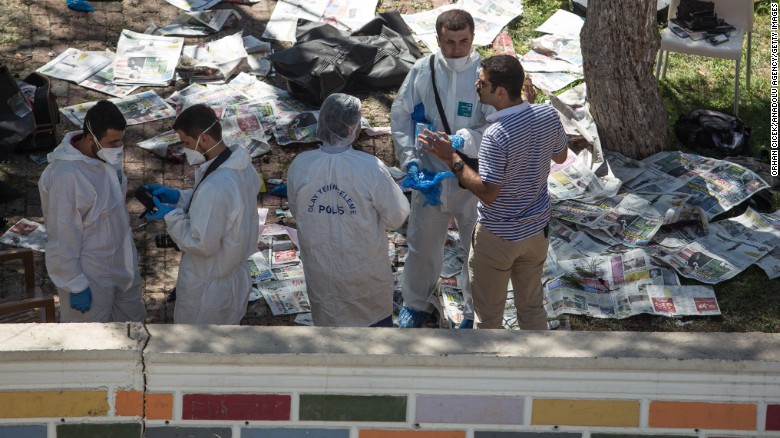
[750, 301]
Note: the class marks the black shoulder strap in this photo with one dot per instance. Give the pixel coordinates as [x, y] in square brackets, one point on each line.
[221, 158]
[438, 99]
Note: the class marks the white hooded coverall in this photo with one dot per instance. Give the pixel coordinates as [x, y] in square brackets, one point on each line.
[216, 236]
[427, 228]
[90, 242]
[343, 203]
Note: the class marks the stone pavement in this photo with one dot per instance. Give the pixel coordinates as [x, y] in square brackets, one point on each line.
[32, 32]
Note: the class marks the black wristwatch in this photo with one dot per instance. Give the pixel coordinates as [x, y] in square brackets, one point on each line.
[458, 166]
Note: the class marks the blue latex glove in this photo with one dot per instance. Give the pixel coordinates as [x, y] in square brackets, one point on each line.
[429, 185]
[81, 301]
[162, 210]
[80, 5]
[164, 194]
[418, 115]
[457, 141]
[413, 173]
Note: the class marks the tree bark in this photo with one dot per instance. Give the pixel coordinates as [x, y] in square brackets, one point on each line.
[620, 40]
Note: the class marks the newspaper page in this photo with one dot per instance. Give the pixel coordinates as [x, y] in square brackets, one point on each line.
[215, 60]
[770, 263]
[349, 15]
[454, 257]
[563, 23]
[559, 47]
[713, 258]
[301, 129]
[166, 145]
[74, 65]
[26, 234]
[606, 286]
[286, 297]
[193, 5]
[534, 62]
[247, 132]
[103, 81]
[215, 96]
[452, 304]
[137, 108]
[715, 185]
[288, 272]
[683, 300]
[259, 268]
[197, 23]
[284, 18]
[573, 179]
[146, 59]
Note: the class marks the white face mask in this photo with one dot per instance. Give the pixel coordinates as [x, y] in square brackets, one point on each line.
[194, 157]
[112, 156]
[458, 63]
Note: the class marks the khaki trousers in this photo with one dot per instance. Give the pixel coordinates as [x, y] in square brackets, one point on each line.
[492, 262]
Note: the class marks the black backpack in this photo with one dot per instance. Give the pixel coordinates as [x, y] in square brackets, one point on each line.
[713, 133]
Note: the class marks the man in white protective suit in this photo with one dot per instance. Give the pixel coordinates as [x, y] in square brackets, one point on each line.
[90, 255]
[456, 70]
[344, 201]
[214, 224]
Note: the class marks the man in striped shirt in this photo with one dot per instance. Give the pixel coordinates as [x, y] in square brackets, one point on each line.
[510, 238]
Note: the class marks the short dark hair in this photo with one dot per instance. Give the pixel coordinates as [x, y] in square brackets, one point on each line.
[195, 120]
[504, 71]
[454, 19]
[104, 115]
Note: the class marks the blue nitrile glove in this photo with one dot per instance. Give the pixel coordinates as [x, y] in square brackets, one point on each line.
[164, 194]
[162, 210]
[413, 173]
[79, 5]
[457, 141]
[429, 185]
[418, 115]
[81, 301]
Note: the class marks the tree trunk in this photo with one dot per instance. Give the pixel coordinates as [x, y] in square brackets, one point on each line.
[620, 40]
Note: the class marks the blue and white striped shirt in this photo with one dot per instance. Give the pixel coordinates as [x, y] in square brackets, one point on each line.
[515, 153]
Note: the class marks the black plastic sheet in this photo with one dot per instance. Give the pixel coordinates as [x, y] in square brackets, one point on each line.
[325, 60]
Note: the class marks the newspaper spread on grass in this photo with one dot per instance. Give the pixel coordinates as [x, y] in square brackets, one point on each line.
[143, 59]
[103, 81]
[286, 297]
[683, 300]
[714, 185]
[452, 304]
[74, 65]
[137, 108]
[606, 286]
[729, 247]
[197, 23]
[26, 234]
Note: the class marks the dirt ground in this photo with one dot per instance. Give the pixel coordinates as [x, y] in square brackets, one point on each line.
[32, 32]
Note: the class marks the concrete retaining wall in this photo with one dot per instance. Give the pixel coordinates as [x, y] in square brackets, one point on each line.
[129, 380]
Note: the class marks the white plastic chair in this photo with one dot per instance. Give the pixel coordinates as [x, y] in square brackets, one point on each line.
[738, 13]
